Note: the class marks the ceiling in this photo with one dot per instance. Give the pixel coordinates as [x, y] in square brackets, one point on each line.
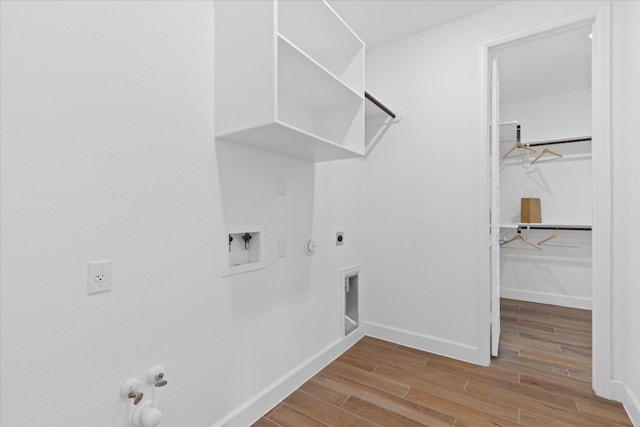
[541, 66]
[383, 21]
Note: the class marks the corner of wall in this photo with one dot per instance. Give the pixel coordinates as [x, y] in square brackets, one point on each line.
[448, 348]
[622, 392]
[254, 408]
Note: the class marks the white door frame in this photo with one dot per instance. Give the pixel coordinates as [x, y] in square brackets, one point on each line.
[495, 207]
[601, 155]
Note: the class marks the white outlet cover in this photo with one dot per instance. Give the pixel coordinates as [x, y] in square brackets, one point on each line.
[98, 277]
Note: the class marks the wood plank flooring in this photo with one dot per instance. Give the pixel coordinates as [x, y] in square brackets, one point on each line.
[542, 377]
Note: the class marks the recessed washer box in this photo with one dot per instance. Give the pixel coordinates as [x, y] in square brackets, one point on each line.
[242, 249]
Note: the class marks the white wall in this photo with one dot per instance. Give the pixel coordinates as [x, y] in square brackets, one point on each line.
[555, 275]
[108, 152]
[626, 180]
[561, 115]
[426, 244]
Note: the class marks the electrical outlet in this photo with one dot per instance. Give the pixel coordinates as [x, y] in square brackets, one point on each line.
[98, 277]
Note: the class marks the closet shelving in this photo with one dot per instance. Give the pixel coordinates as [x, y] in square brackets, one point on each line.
[539, 235]
[544, 226]
[289, 79]
[580, 148]
[560, 141]
[527, 154]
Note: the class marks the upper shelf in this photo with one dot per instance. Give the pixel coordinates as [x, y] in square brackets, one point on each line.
[283, 138]
[289, 79]
[316, 29]
[302, 78]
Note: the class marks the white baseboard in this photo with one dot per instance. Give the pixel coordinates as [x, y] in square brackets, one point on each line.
[261, 403]
[453, 349]
[250, 411]
[620, 391]
[547, 298]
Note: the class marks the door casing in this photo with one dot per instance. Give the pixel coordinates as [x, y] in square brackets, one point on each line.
[600, 19]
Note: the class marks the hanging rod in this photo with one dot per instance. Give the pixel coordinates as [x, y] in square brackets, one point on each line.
[552, 227]
[379, 104]
[559, 141]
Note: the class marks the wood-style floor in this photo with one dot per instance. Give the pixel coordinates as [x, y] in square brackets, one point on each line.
[542, 377]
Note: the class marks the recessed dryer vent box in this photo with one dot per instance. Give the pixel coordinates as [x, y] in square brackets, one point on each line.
[350, 279]
[242, 249]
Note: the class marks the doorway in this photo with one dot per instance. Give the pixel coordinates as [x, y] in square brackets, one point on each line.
[593, 22]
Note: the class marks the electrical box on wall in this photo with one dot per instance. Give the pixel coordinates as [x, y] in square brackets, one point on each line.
[243, 249]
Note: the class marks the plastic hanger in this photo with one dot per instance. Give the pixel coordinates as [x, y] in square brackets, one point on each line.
[518, 145]
[546, 151]
[556, 236]
[522, 239]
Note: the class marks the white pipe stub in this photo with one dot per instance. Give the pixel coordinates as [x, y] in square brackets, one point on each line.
[146, 415]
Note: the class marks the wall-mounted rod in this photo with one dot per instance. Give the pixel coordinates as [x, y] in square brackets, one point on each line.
[379, 104]
[553, 227]
[559, 141]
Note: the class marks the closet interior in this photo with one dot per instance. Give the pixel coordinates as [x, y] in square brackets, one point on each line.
[545, 177]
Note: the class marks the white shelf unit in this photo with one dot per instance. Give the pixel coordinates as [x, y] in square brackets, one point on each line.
[576, 148]
[289, 78]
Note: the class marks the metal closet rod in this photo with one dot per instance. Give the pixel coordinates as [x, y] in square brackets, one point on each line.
[379, 104]
[552, 227]
[559, 141]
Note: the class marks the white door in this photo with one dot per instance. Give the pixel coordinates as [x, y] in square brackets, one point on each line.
[495, 209]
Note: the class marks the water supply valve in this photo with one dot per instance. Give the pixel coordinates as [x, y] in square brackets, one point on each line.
[156, 376]
[131, 390]
[247, 239]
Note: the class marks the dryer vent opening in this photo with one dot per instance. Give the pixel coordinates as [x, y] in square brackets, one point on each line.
[351, 303]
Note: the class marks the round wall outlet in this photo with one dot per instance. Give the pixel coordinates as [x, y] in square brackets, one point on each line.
[310, 247]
